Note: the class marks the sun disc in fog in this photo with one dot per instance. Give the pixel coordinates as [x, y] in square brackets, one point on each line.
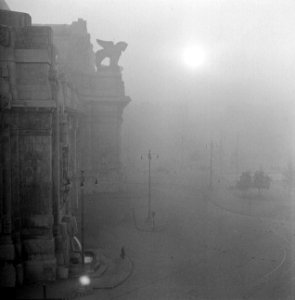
[194, 56]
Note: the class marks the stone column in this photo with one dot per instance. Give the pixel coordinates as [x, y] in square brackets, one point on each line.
[7, 253]
[8, 181]
[104, 99]
[16, 211]
[35, 165]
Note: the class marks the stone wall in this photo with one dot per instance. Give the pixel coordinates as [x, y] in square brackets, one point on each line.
[58, 116]
[33, 204]
[3, 5]
[102, 100]
[73, 48]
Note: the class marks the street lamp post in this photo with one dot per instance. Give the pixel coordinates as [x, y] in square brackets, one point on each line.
[82, 205]
[149, 186]
[82, 180]
[211, 161]
[211, 166]
[149, 214]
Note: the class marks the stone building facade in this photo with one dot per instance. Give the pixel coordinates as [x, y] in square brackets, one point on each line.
[58, 116]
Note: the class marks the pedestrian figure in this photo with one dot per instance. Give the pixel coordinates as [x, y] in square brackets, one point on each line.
[122, 255]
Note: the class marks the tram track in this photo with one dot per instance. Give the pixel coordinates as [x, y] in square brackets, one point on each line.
[285, 244]
[285, 250]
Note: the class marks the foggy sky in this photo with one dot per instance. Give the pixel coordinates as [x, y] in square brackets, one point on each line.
[245, 88]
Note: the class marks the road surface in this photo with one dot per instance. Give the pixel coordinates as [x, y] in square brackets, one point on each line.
[201, 248]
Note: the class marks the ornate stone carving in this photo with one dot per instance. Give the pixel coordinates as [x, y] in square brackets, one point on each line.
[111, 51]
[4, 36]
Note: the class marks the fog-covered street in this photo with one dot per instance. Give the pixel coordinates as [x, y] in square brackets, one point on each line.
[147, 149]
[203, 247]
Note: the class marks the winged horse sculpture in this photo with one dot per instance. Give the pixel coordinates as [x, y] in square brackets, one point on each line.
[110, 50]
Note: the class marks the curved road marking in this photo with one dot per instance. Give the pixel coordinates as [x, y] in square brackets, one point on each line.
[268, 274]
[277, 267]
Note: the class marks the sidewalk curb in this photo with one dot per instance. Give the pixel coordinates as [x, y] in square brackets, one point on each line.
[111, 273]
[116, 275]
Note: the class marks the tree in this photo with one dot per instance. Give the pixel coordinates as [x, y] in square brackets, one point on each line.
[261, 180]
[289, 176]
[245, 181]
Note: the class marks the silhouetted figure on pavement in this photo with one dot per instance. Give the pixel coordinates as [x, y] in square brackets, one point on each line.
[122, 255]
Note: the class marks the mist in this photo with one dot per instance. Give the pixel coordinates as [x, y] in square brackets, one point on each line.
[196, 126]
[243, 90]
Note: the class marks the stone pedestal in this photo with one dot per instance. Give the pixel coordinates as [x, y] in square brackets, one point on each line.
[104, 101]
[41, 269]
[7, 256]
[39, 248]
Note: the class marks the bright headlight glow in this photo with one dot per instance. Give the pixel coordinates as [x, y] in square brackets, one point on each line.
[194, 56]
[84, 280]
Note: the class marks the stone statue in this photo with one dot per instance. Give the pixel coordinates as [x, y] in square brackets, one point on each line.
[110, 50]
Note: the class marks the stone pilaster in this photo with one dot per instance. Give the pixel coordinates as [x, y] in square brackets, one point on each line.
[34, 130]
[7, 251]
[104, 98]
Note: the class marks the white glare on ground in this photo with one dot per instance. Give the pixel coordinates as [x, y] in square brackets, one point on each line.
[194, 56]
[84, 280]
[88, 259]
